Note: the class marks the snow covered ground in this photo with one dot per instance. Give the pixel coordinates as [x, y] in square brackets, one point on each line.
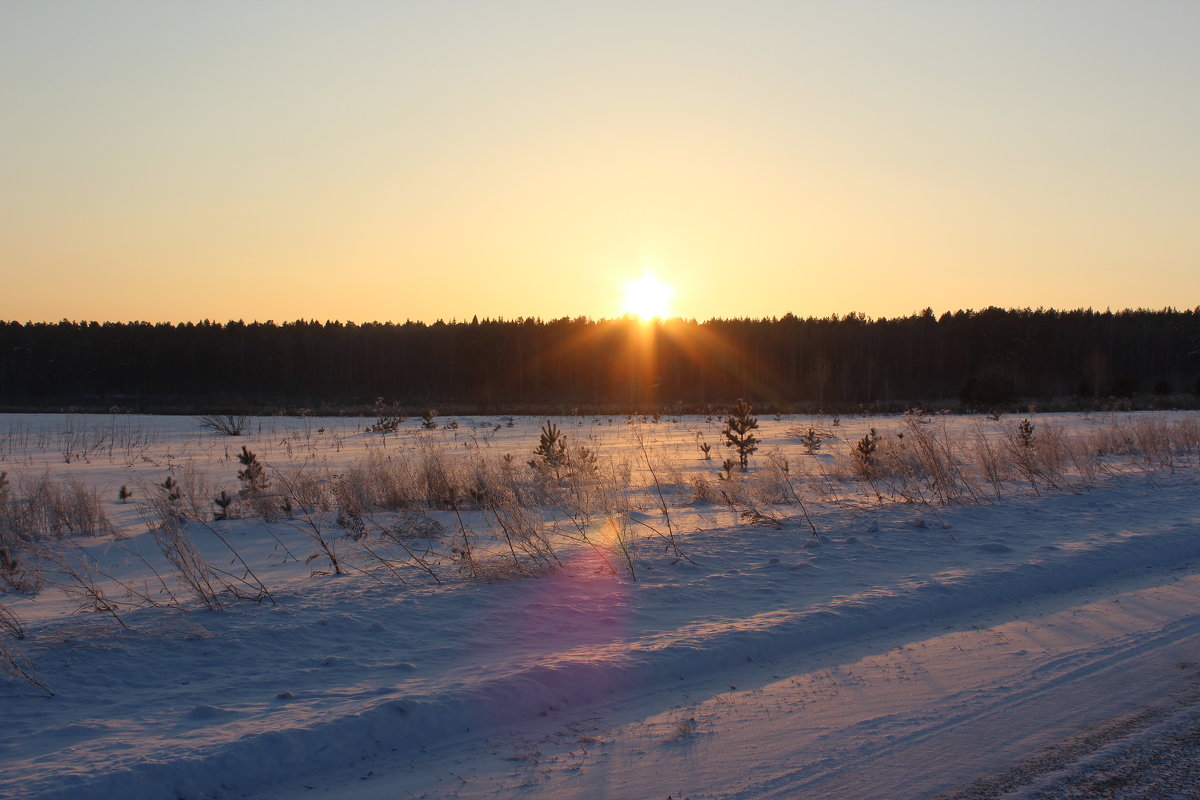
[1030, 641]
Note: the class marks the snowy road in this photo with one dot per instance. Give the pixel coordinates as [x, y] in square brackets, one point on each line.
[1102, 682]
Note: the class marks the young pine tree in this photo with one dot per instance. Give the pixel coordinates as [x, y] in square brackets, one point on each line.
[738, 432]
[253, 477]
[864, 455]
[551, 451]
[222, 501]
[173, 492]
[1025, 433]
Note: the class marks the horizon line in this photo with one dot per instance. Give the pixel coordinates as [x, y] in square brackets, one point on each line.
[832, 317]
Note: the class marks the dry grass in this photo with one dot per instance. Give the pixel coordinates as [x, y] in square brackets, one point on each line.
[44, 508]
[12, 661]
[424, 508]
[496, 514]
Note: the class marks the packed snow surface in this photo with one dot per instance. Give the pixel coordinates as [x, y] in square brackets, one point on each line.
[1035, 641]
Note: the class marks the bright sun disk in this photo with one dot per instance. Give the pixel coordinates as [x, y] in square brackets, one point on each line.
[648, 297]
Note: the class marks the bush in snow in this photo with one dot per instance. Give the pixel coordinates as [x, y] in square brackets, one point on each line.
[225, 424]
[389, 417]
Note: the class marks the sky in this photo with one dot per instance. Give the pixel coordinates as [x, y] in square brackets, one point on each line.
[367, 160]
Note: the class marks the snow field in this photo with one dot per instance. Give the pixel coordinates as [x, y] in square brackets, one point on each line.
[362, 667]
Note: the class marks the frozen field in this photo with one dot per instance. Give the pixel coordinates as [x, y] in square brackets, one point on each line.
[959, 608]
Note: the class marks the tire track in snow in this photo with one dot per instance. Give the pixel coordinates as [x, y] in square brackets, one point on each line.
[1077, 672]
[1148, 754]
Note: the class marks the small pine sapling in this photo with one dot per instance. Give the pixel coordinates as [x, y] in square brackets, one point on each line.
[738, 432]
[428, 419]
[171, 487]
[811, 441]
[389, 417]
[253, 476]
[350, 520]
[1025, 433]
[727, 465]
[222, 502]
[173, 495]
[551, 451]
[124, 494]
[706, 449]
[864, 453]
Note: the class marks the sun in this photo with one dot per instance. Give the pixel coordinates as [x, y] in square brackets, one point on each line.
[647, 298]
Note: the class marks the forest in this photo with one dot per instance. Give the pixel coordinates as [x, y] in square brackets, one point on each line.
[972, 360]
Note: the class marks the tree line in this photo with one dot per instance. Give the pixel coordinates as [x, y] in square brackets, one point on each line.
[992, 358]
